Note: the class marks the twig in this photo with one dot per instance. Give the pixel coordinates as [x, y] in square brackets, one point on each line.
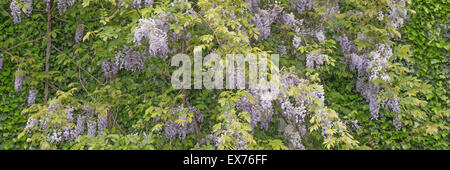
[92, 76]
[19, 44]
[63, 20]
[54, 87]
[6, 52]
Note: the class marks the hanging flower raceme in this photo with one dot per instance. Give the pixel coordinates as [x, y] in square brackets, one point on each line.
[18, 82]
[128, 59]
[32, 95]
[1, 63]
[79, 34]
[155, 31]
[15, 12]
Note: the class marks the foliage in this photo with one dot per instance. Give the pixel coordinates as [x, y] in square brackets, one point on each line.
[93, 74]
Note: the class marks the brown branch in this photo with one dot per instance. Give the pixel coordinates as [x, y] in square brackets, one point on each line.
[287, 120]
[117, 124]
[47, 52]
[81, 82]
[17, 45]
[197, 129]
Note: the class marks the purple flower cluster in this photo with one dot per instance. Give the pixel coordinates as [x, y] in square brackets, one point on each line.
[1, 63]
[128, 59]
[79, 34]
[70, 2]
[136, 4]
[18, 82]
[296, 109]
[302, 5]
[110, 69]
[294, 137]
[320, 35]
[68, 133]
[348, 49]
[92, 127]
[32, 95]
[44, 123]
[62, 5]
[102, 124]
[253, 5]
[31, 123]
[66, 130]
[53, 107]
[263, 20]
[282, 49]
[289, 19]
[15, 12]
[172, 128]
[297, 113]
[315, 60]
[393, 105]
[260, 111]
[155, 30]
[56, 137]
[28, 4]
[80, 125]
[148, 3]
[69, 114]
[369, 92]
[371, 65]
[296, 41]
[397, 14]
